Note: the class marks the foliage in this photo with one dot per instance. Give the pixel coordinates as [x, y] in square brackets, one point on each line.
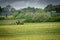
[31, 14]
[51, 8]
[2, 18]
[1, 10]
[54, 19]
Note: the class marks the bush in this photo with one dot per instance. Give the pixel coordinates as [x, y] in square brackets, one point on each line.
[54, 19]
[2, 18]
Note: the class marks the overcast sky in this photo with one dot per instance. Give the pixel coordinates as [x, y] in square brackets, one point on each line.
[18, 4]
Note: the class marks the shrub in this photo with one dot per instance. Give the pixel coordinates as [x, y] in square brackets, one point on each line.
[2, 18]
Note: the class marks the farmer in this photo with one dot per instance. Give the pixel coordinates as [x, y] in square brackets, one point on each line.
[18, 22]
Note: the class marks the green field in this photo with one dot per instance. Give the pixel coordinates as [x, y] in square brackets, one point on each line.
[31, 31]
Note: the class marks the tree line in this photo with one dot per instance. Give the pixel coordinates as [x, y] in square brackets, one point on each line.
[51, 13]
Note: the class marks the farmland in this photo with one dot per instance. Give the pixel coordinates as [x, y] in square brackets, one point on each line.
[31, 31]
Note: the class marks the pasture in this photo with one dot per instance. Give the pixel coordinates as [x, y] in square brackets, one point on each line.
[31, 31]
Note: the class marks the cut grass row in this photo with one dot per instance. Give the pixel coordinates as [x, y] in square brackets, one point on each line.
[30, 28]
[30, 31]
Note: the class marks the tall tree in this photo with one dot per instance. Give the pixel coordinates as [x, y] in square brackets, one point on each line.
[0, 10]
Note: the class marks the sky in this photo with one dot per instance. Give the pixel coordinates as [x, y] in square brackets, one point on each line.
[19, 4]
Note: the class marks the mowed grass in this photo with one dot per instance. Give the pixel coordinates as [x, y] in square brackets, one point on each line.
[31, 31]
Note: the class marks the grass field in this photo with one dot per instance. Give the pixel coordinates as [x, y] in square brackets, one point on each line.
[31, 31]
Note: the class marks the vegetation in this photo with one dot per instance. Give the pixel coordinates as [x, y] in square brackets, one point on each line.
[1, 10]
[2, 18]
[49, 30]
[30, 31]
[51, 8]
[37, 15]
[51, 13]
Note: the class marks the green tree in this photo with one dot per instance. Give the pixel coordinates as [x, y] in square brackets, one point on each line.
[0, 10]
[41, 17]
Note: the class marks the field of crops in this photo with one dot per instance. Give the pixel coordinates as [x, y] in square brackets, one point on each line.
[31, 31]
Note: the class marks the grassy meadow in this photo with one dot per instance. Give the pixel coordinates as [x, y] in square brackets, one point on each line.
[29, 22]
[31, 31]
